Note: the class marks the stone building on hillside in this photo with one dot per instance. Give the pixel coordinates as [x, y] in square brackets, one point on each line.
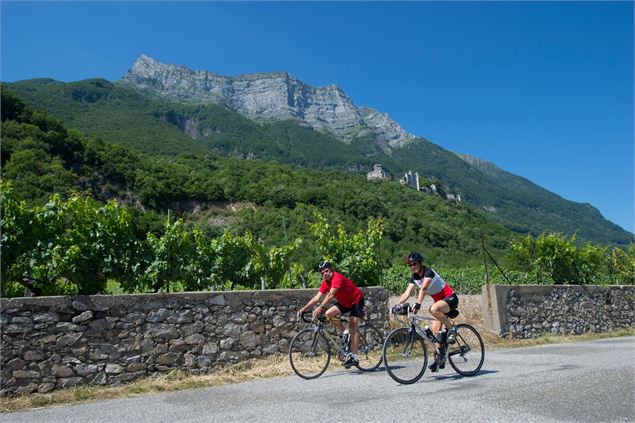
[453, 197]
[411, 180]
[378, 174]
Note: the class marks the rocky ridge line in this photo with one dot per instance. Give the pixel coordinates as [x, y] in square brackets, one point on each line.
[271, 97]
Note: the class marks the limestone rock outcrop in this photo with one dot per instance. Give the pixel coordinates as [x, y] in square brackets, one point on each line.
[270, 97]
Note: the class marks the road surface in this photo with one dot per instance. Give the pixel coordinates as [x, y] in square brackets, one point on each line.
[591, 381]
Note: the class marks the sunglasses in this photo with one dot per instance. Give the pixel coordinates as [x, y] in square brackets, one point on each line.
[325, 272]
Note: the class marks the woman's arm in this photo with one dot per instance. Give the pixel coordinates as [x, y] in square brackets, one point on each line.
[422, 293]
[406, 293]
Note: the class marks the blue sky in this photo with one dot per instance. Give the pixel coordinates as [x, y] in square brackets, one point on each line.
[542, 89]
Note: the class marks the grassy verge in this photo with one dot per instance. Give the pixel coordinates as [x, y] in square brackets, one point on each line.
[176, 380]
[250, 370]
[495, 342]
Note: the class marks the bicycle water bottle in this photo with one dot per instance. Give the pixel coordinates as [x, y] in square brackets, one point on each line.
[346, 337]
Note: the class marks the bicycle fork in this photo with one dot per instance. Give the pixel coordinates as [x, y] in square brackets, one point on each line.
[314, 342]
[409, 343]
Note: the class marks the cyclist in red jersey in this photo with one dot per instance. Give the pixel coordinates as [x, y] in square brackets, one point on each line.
[349, 300]
[444, 299]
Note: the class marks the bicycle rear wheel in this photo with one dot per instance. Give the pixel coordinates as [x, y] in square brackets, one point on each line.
[468, 352]
[405, 355]
[370, 348]
[309, 354]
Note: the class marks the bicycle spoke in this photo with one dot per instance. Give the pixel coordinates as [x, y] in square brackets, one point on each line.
[405, 355]
[370, 348]
[309, 354]
[468, 352]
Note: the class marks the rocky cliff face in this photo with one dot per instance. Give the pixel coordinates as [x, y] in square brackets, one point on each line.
[271, 96]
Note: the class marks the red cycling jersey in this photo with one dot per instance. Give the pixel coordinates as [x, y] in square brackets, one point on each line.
[347, 293]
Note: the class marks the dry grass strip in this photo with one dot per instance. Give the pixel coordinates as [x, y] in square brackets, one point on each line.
[176, 380]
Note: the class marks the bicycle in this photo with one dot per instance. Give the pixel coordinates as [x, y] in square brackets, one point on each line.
[310, 350]
[406, 357]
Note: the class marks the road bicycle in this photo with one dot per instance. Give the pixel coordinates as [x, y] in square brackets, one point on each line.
[405, 354]
[311, 349]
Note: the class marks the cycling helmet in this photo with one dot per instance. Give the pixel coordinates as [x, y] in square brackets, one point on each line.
[414, 258]
[325, 265]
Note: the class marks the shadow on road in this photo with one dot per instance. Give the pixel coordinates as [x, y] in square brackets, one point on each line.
[457, 376]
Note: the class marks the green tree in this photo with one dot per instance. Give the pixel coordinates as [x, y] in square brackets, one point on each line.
[202, 270]
[97, 243]
[171, 257]
[270, 264]
[67, 246]
[233, 263]
[357, 255]
[621, 264]
[555, 258]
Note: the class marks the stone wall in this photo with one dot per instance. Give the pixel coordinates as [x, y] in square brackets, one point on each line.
[527, 311]
[56, 342]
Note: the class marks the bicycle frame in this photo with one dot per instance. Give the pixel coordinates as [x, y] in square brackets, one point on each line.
[414, 326]
[332, 338]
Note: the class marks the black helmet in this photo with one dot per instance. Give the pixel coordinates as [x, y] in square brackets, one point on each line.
[325, 265]
[414, 258]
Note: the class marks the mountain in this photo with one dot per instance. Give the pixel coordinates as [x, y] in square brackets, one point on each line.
[167, 110]
[270, 97]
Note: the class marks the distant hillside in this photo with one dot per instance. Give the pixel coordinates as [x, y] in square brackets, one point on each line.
[41, 155]
[163, 124]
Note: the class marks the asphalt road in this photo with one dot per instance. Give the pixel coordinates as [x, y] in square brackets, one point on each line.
[580, 382]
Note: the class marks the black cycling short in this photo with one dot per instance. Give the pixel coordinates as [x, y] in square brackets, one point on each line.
[452, 300]
[356, 311]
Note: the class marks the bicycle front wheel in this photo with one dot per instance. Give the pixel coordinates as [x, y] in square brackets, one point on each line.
[405, 355]
[467, 353]
[309, 354]
[370, 348]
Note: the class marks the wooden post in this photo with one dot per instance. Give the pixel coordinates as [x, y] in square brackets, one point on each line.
[484, 259]
[286, 243]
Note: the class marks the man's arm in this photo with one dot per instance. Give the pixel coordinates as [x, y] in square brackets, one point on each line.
[322, 307]
[329, 297]
[312, 301]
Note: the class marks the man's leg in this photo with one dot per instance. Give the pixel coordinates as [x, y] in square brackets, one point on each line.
[333, 313]
[353, 322]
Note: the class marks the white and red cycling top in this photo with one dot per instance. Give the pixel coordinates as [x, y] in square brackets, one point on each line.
[438, 288]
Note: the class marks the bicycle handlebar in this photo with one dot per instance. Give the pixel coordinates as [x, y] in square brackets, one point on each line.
[303, 317]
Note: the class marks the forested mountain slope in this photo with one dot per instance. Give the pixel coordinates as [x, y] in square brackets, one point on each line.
[41, 155]
[160, 125]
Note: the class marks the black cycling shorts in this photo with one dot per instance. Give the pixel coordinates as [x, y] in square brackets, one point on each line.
[452, 300]
[356, 311]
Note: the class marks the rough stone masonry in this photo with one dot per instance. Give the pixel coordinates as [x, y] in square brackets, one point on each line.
[50, 343]
[528, 311]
